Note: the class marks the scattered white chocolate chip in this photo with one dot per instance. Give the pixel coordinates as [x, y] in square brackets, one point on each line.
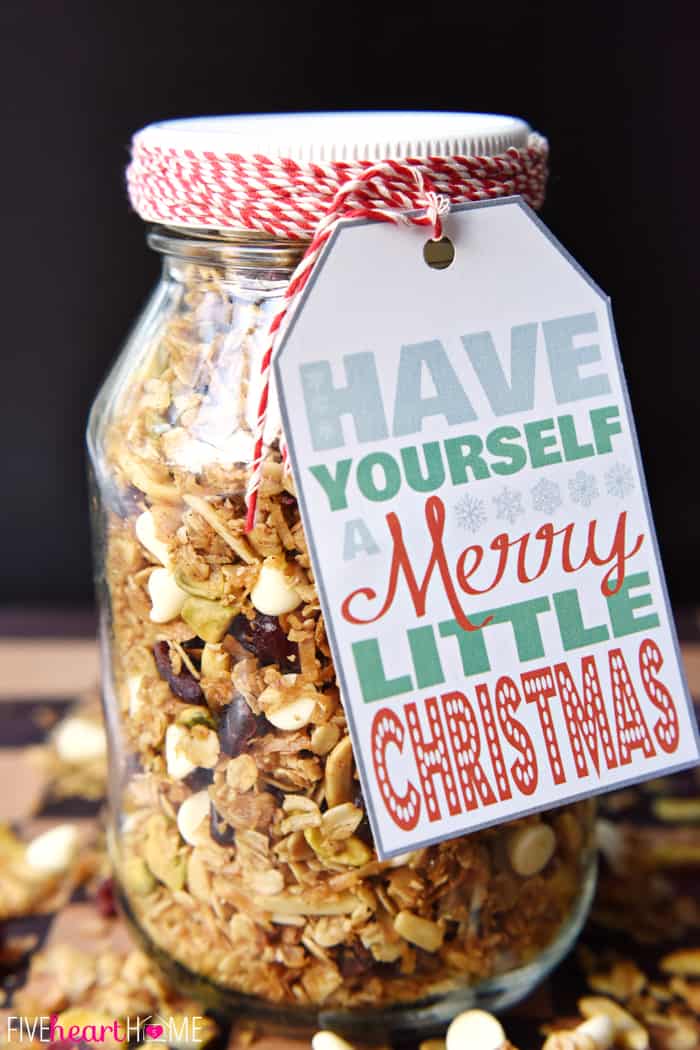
[190, 815]
[294, 715]
[167, 598]
[475, 1030]
[329, 1041]
[178, 764]
[78, 740]
[273, 593]
[145, 528]
[530, 848]
[52, 852]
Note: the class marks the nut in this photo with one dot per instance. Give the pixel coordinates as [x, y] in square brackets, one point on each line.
[352, 852]
[163, 854]
[191, 815]
[425, 934]
[145, 528]
[341, 821]
[215, 660]
[629, 1033]
[475, 1030]
[597, 1033]
[136, 877]
[78, 740]
[242, 773]
[531, 848]
[684, 963]
[193, 715]
[210, 620]
[339, 768]
[324, 738]
[198, 878]
[179, 766]
[52, 852]
[167, 598]
[273, 593]
[287, 904]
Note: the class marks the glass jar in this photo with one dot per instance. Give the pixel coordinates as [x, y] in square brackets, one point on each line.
[217, 800]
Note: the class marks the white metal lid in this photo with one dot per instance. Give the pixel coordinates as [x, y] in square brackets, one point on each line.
[323, 137]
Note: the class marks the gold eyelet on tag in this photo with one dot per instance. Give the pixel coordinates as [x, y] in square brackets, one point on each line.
[439, 254]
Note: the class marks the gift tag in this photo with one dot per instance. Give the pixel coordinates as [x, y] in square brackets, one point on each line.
[471, 489]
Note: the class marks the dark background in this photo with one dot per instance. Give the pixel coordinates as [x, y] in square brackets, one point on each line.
[612, 86]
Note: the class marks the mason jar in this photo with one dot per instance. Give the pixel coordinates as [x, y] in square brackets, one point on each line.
[242, 852]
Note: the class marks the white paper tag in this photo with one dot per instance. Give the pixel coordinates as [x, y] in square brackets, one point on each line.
[470, 484]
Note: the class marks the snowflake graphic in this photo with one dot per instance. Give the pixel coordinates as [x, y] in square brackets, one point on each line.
[583, 488]
[546, 496]
[470, 513]
[509, 504]
[619, 480]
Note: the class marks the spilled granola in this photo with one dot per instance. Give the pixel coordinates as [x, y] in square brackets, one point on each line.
[243, 845]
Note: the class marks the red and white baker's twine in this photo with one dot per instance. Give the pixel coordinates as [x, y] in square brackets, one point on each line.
[182, 187]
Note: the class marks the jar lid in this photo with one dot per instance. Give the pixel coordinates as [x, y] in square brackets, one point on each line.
[333, 137]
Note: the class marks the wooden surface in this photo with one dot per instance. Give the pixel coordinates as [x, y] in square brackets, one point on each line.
[42, 677]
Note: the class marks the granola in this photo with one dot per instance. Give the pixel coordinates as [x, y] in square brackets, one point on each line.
[243, 845]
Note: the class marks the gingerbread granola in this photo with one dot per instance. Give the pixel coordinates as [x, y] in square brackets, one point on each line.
[242, 844]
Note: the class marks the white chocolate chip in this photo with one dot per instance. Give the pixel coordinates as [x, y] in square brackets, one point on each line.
[294, 715]
[329, 1041]
[178, 764]
[78, 740]
[475, 1030]
[273, 594]
[530, 848]
[145, 528]
[167, 598]
[190, 815]
[52, 852]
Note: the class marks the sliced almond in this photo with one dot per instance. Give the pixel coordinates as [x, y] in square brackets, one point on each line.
[629, 1033]
[422, 932]
[339, 769]
[292, 715]
[683, 963]
[145, 528]
[286, 904]
[530, 848]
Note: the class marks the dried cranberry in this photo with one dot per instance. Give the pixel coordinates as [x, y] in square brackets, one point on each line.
[104, 899]
[277, 793]
[237, 727]
[199, 778]
[184, 684]
[264, 637]
[221, 832]
[355, 961]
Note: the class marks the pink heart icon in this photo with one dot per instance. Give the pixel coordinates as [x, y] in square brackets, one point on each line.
[154, 1031]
